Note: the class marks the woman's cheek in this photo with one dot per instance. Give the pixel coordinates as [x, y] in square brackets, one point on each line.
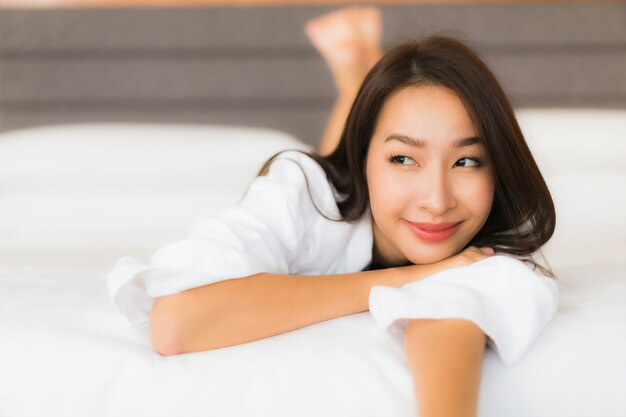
[386, 197]
[391, 190]
[478, 195]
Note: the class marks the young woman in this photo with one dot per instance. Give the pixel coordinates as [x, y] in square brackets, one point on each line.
[430, 166]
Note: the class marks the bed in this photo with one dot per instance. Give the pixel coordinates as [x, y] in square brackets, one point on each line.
[74, 198]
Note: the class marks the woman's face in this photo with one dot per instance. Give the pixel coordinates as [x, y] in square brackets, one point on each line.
[430, 184]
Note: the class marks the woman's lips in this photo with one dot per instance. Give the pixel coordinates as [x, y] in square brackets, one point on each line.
[433, 232]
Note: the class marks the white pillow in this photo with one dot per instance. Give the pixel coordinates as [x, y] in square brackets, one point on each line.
[123, 184]
[581, 154]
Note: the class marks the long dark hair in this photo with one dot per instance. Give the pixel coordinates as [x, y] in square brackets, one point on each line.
[522, 216]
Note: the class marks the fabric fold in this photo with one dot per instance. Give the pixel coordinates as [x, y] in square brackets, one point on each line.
[127, 290]
[503, 296]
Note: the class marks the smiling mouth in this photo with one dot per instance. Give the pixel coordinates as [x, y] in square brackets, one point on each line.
[433, 232]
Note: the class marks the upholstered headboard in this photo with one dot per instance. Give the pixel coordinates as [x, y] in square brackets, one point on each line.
[254, 65]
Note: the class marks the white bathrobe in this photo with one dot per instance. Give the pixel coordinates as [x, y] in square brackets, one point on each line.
[278, 227]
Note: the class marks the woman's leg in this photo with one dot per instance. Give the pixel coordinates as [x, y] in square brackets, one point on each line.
[349, 41]
[446, 358]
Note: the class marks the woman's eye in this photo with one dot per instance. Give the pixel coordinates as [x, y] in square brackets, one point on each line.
[402, 160]
[468, 162]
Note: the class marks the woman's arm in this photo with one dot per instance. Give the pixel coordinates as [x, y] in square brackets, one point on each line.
[446, 358]
[241, 310]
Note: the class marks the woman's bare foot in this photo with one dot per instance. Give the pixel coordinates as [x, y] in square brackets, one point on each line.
[371, 26]
[349, 39]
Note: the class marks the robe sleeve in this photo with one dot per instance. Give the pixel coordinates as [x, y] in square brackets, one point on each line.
[265, 232]
[503, 296]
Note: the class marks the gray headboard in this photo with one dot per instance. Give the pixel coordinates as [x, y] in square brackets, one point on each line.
[254, 65]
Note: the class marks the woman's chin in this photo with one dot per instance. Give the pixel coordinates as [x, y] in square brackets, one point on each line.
[430, 257]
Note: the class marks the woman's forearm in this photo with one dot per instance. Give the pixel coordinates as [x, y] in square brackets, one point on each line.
[446, 358]
[241, 310]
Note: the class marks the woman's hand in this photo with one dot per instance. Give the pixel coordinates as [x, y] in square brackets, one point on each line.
[405, 274]
[468, 256]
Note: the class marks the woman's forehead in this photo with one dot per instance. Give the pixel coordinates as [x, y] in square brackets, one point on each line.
[425, 114]
[424, 106]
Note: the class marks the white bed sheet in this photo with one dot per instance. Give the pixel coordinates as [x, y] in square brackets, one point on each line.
[65, 351]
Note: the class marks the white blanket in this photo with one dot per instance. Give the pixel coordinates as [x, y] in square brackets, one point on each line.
[66, 351]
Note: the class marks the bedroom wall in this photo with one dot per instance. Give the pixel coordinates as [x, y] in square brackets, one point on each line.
[254, 65]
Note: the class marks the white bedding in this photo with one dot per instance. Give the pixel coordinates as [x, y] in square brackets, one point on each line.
[73, 199]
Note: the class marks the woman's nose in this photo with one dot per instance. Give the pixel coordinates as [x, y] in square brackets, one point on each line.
[435, 195]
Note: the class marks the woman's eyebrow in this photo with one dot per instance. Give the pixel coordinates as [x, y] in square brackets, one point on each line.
[406, 139]
[467, 141]
[420, 143]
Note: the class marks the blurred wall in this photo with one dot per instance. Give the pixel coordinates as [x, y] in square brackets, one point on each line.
[254, 65]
